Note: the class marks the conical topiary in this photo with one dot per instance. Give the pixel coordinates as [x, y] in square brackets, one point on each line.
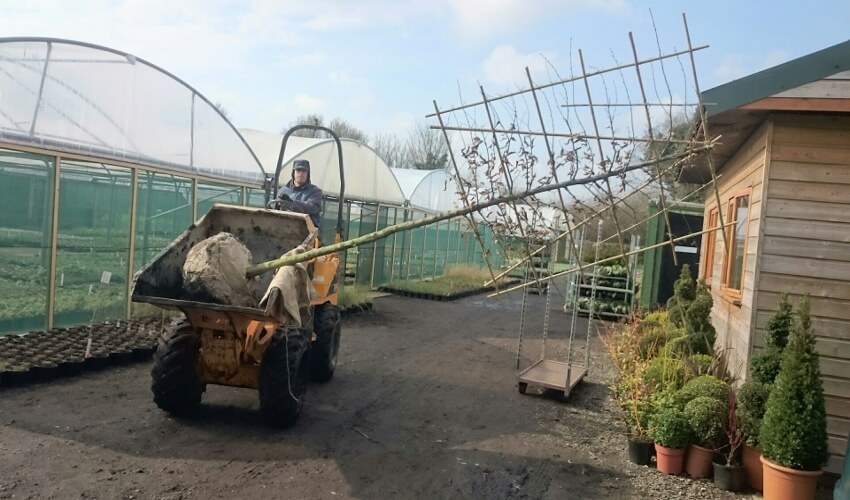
[779, 325]
[684, 292]
[752, 398]
[765, 367]
[793, 433]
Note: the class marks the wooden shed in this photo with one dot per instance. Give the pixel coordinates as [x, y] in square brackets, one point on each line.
[783, 175]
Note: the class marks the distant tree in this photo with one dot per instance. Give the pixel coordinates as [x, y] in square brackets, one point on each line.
[427, 148]
[342, 128]
[347, 130]
[308, 119]
[394, 151]
[676, 128]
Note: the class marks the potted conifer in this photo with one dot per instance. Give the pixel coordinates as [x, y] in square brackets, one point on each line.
[793, 434]
[753, 394]
[752, 398]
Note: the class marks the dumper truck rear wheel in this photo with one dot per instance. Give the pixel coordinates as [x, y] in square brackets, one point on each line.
[175, 384]
[323, 357]
[283, 377]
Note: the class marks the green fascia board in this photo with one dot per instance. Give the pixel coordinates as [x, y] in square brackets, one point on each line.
[786, 76]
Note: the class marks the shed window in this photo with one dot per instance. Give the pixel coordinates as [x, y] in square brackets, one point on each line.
[710, 240]
[739, 217]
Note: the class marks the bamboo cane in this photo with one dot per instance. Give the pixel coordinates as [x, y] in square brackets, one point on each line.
[609, 259]
[261, 268]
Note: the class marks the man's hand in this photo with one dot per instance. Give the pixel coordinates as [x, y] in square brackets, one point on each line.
[284, 197]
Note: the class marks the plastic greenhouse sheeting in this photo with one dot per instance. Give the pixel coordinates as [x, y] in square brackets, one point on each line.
[367, 176]
[81, 98]
[431, 190]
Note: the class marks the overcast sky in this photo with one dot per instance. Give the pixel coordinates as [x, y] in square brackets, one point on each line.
[379, 63]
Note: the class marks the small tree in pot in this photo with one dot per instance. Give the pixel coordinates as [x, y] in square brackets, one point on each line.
[793, 434]
[729, 474]
[752, 397]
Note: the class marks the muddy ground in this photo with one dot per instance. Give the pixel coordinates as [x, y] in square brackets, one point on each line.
[423, 405]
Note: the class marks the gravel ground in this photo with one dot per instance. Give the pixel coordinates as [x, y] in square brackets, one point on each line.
[424, 404]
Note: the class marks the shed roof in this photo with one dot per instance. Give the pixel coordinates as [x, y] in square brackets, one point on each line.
[817, 82]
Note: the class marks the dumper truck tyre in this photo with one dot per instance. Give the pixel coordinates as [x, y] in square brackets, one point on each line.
[283, 377]
[325, 351]
[175, 384]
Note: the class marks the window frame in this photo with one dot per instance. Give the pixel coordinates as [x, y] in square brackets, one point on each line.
[732, 220]
[710, 244]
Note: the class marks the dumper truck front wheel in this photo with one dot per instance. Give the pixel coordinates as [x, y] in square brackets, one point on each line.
[175, 384]
[326, 346]
[283, 377]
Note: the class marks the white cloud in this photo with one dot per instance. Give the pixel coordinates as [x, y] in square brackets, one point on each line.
[276, 116]
[774, 58]
[736, 65]
[482, 19]
[338, 14]
[304, 104]
[506, 66]
[400, 124]
[342, 78]
[731, 67]
[301, 60]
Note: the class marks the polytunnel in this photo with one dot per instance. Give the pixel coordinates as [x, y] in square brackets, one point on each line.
[430, 190]
[367, 176]
[81, 98]
[104, 159]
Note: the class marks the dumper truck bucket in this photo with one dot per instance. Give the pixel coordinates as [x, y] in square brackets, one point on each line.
[268, 234]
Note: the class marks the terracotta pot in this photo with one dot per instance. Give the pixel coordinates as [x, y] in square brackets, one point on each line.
[782, 483]
[729, 477]
[640, 451]
[698, 461]
[751, 458]
[669, 460]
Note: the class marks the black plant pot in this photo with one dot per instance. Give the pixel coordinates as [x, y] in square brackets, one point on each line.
[729, 477]
[640, 451]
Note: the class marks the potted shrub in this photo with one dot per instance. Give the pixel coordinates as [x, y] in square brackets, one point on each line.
[672, 434]
[793, 433]
[689, 309]
[753, 394]
[629, 390]
[765, 366]
[729, 473]
[635, 407]
[704, 386]
[752, 398]
[706, 417]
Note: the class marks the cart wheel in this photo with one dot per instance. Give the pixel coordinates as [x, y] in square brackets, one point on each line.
[522, 386]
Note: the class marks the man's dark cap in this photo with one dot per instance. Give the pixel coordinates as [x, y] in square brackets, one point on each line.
[301, 165]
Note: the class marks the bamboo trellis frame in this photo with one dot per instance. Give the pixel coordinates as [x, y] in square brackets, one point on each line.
[598, 156]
